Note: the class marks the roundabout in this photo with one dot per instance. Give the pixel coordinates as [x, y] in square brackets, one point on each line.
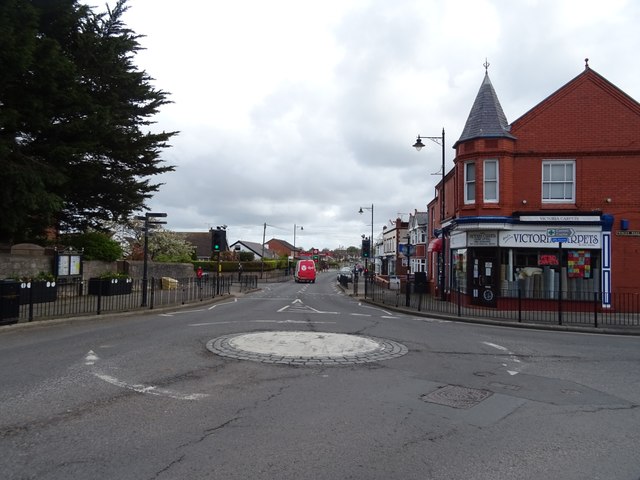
[305, 348]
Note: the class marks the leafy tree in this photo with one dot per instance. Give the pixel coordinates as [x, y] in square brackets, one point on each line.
[74, 108]
[95, 246]
[168, 246]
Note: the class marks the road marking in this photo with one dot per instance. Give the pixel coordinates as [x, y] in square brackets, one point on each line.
[91, 358]
[374, 308]
[224, 303]
[298, 306]
[512, 356]
[256, 321]
[150, 389]
[180, 312]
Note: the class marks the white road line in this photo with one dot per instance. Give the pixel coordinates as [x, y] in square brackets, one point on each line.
[512, 356]
[150, 389]
[374, 308]
[253, 321]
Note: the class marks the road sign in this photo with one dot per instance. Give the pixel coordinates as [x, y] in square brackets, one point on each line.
[559, 232]
[559, 239]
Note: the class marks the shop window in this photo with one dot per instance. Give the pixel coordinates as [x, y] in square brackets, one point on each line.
[469, 182]
[558, 181]
[460, 269]
[536, 273]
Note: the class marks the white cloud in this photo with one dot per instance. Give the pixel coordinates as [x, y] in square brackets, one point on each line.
[301, 112]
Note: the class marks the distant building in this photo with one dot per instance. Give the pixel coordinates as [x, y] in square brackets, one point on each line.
[255, 248]
[282, 248]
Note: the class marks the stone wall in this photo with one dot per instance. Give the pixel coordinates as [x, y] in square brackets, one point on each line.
[15, 266]
[158, 270]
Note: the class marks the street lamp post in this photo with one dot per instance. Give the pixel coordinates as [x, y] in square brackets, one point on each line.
[418, 146]
[149, 222]
[408, 285]
[371, 248]
[295, 228]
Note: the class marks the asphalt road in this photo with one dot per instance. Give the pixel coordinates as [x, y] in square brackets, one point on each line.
[142, 397]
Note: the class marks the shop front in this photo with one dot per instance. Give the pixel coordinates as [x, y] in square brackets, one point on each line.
[527, 261]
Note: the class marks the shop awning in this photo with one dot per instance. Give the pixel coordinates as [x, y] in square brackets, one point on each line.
[435, 245]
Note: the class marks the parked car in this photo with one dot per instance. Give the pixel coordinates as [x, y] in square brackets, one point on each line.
[346, 272]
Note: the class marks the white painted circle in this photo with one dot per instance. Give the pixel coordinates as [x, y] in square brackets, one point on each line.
[303, 344]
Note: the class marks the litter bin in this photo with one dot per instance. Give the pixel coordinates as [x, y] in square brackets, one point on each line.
[394, 283]
[9, 301]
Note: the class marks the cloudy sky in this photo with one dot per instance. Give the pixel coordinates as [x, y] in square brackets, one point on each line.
[299, 112]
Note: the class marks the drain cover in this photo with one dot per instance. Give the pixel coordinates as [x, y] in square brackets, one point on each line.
[456, 396]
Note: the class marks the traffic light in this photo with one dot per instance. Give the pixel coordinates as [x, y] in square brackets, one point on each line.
[366, 247]
[218, 240]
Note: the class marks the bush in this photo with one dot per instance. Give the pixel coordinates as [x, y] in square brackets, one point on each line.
[95, 246]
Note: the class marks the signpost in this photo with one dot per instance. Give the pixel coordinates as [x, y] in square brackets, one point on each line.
[560, 235]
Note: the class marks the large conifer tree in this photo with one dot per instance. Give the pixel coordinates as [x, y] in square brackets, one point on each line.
[75, 149]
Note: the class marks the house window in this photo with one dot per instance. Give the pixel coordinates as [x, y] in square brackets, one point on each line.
[558, 181]
[469, 182]
[490, 181]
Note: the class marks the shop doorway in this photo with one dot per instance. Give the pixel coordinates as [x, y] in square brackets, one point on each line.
[484, 278]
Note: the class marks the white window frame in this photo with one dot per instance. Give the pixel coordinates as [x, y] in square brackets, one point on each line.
[568, 186]
[469, 183]
[486, 181]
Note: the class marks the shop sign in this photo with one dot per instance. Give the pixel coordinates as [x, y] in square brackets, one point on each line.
[482, 239]
[559, 218]
[458, 240]
[540, 238]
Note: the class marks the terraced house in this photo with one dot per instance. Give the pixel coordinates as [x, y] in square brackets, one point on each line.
[546, 204]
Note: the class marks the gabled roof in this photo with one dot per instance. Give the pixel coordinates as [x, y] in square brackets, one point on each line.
[284, 243]
[200, 240]
[418, 219]
[257, 249]
[486, 119]
[588, 75]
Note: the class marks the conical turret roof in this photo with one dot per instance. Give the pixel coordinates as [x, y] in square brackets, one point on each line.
[486, 119]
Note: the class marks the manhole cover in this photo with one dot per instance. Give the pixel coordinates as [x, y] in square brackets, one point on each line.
[305, 348]
[456, 396]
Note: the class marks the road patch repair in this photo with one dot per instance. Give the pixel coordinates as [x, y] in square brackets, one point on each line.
[305, 348]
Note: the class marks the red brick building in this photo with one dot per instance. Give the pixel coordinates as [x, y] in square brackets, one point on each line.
[548, 203]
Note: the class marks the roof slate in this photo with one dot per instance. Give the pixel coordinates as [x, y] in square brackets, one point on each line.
[486, 119]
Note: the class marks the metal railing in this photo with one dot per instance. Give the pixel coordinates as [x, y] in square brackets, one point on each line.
[94, 298]
[585, 309]
[248, 282]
